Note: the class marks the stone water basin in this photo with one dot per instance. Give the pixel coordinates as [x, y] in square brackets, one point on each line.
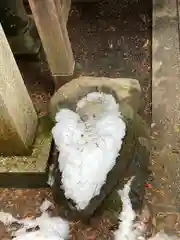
[133, 158]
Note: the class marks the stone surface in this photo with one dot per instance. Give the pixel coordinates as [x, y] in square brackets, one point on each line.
[128, 162]
[165, 107]
[32, 170]
[125, 89]
[18, 119]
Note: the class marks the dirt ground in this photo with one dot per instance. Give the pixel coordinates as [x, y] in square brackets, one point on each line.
[113, 39]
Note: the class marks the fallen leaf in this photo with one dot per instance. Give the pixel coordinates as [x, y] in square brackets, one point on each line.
[146, 43]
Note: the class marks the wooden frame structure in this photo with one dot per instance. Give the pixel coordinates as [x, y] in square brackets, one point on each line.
[18, 118]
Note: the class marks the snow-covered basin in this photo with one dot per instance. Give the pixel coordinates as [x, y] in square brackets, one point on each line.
[126, 93]
[91, 143]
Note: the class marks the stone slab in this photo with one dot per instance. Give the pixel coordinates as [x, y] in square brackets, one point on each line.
[166, 100]
[127, 93]
[32, 170]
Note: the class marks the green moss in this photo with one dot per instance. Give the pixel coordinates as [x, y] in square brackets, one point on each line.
[111, 207]
[46, 124]
[37, 160]
[112, 202]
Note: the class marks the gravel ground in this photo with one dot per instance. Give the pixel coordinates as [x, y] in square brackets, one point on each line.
[25, 203]
[113, 39]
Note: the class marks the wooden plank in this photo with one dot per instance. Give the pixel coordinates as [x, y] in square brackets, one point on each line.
[52, 30]
[18, 119]
[63, 8]
[66, 6]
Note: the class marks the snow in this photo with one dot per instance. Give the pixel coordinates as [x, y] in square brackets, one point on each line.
[52, 228]
[128, 228]
[7, 218]
[89, 141]
[45, 205]
[55, 228]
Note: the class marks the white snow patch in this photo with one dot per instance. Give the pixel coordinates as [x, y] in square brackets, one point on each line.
[128, 228]
[52, 228]
[50, 180]
[7, 218]
[89, 141]
[45, 205]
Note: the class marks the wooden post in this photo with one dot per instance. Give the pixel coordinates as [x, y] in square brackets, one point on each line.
[63, 8]
[66, 5]
[51, 25]
[18, 119]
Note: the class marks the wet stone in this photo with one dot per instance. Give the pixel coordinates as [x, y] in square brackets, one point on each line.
[133, 160]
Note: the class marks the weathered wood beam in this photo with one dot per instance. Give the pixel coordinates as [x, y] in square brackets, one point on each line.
[63, 8]
[18, 119]
[52, 30]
